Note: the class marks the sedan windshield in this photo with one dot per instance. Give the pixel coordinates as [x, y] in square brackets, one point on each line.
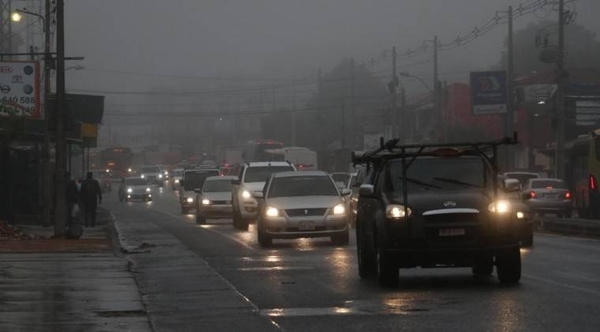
[150, 169]
[195, 180]
[212, 186]
[438, 174]
[302, 186]
[536, 184]
[261, 174]
[136, 182]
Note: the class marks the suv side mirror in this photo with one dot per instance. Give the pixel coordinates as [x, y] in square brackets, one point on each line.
[366, 190]
[346, 192]
[198, 191]
[236, 182]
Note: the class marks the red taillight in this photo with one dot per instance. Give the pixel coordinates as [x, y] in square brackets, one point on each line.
[568, 195]
[593, 184]
[533, 194]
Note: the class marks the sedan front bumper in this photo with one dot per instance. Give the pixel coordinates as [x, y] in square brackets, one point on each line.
[312, 226]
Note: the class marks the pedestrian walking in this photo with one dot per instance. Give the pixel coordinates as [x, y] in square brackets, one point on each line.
[72, 198]
[91, 196]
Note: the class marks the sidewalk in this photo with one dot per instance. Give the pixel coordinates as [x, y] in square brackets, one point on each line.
[68, 285]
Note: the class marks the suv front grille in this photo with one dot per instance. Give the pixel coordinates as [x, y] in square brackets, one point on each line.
[452, 218]
[306, 212]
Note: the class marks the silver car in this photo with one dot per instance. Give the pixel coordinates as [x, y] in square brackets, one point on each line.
[548, 196]
[213, 201]
[302, 204]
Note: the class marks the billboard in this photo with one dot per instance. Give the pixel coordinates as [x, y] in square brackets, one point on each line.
[20, 89]
[488, 92]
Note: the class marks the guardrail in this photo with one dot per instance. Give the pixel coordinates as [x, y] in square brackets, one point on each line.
[572, 226]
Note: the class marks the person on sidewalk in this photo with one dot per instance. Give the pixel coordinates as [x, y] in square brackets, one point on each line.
[91, 196]
[72, 193]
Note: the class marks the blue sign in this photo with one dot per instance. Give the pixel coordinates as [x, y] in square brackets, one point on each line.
[488, 92]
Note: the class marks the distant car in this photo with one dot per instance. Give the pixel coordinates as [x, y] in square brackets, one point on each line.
[153, 174]
[548, 195]
[522, 177]
[519, 205]
[302, 204]
[176, 176]
[135, 188]
[192, 179]
[164, 171]
[213, 201]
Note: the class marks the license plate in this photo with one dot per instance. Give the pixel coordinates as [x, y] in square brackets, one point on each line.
[306, 226]
[452, 231]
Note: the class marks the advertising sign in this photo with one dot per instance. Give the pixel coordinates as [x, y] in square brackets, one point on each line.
[488, 92]
[20, 89]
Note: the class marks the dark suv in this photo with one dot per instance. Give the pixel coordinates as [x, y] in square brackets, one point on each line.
[433, 206]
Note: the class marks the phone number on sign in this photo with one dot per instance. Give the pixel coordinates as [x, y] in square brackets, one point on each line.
[22, 100]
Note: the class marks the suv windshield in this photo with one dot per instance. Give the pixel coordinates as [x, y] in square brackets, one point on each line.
[522, 177]
[438, 174]
[262, 173]
[150, 169]
[302, 186]
[136, 182]
[195, 180]
[212, 186]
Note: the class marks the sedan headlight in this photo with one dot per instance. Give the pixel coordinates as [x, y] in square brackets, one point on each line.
[205, 202]
[500, 207]
[246, 194]
[272, 212]
[176, 180]
[397, 211]
[520, 215]
[160, 176]
[142, 176]
[190, 200]
[148, 190]
[339, 209]
[129, 190]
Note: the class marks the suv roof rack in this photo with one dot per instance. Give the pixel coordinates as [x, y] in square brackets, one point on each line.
[391, 149]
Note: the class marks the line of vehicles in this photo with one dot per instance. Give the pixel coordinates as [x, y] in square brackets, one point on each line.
[429, 206]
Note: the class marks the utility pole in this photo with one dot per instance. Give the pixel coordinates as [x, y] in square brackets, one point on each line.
[5, 27]
[352, 111]
[394, 92]
[343, 125]
[559, 161]
[402, 116]
[60, 213]
[294, 120]
[436, 90]
[510, 108]
[47, 171]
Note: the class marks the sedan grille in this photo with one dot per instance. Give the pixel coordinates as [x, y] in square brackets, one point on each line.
[305, 212]
[222, 202]
[451, 218]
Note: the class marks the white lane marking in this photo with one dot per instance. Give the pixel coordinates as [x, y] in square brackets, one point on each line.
[209, 229]
[581, 289]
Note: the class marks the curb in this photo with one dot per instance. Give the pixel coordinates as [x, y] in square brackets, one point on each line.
[590, 228]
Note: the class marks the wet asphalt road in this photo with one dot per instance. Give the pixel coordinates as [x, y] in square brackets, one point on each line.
[313, 285]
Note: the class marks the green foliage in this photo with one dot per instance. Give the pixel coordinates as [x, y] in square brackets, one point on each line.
[12, 127]
[582, 48]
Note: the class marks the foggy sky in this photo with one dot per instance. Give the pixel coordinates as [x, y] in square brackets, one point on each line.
[274, 39]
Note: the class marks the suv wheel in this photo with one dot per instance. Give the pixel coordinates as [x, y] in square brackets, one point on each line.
[263, 238]
[508, 266]
[483, 266]
[184, 210]
[387, 271]
[200, 219]
[341, 239]
[366, 258]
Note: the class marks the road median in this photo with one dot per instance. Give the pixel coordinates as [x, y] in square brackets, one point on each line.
[572, 226]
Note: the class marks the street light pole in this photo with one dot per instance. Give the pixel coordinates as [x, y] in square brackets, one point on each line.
[47, 171]
[60, 212]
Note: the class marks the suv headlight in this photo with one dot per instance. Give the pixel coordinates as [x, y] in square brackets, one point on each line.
[148, 190]
[272, 212]
[397, 211]
[142, 176]
[500, 207]
[339, 209]
[160, 176]
[246, 194]
[205, 202]
[190, 200]
[129, 190]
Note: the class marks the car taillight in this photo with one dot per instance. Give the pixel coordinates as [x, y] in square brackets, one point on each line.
[533, 194]
[568, 195]
[593, 183]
